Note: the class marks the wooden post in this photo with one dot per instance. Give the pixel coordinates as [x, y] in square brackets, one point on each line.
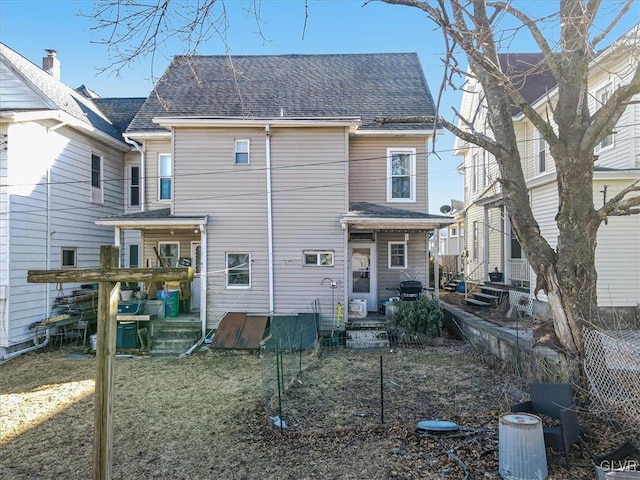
[108, 276]
[108, 293]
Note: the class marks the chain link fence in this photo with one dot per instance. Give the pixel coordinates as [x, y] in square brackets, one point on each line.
[612, 368]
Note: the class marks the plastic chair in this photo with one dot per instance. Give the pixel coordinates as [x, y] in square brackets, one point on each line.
[554, 400]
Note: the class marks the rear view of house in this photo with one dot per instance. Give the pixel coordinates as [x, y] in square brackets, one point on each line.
[277, 178]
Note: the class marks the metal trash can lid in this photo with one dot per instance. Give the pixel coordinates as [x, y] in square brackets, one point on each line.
[521, 419]
[437, 426]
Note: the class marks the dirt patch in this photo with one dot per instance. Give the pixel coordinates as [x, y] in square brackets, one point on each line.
[203, 417]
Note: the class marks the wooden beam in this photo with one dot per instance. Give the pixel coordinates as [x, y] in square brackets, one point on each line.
[115, 274]
[108, 294]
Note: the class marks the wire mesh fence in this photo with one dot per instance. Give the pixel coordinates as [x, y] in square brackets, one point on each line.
[612, 368]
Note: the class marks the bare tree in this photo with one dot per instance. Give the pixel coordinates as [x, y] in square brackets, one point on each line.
[567, 274]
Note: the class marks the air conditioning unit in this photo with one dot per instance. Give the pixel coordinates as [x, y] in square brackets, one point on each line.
[357, 308]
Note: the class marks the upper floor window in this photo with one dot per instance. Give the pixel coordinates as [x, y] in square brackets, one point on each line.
[401, 175]
[542, 154]
[397, 255]
[96, 179]
[238, 270]
[165, 176]
[484, 176]
[68, 257]
[242, 152]
[474, 172]
[453, 232]
[134, 186]
[602, 95]
[475, 239]
[313, 258]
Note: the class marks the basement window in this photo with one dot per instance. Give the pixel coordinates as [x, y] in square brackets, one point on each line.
[69, 257]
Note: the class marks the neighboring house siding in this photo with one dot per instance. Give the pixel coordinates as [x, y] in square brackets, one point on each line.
[208, 182]
[618, 254]
[16, 94]
[309, 197]
[152, 149]
[70, 213]
[4, 240]
[494, 229]
[368, 170]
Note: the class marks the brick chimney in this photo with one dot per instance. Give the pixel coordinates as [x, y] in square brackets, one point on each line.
[51, 64]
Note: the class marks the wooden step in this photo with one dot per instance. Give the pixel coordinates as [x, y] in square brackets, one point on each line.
[493, 300]
[476, 303]
[498, 292]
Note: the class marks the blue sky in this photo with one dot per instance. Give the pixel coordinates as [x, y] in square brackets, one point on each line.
[332, 26]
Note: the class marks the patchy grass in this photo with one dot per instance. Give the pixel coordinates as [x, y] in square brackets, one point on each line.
[202, 417]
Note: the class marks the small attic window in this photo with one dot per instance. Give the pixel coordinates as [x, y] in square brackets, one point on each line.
[242, 152]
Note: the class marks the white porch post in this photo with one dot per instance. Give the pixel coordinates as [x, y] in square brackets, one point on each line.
[507, 247]
[116, 241]
[436, 263]
[203, 278]
[485, 244]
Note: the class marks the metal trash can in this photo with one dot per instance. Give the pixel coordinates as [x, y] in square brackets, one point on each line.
[126, 336]
[522, 454]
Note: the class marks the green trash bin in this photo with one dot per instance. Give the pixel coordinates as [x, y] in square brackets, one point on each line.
[126, 336]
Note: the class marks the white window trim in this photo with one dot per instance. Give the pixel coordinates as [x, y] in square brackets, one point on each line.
[453, 232]
[317, 253]
[137, 263]
[130, 185]
[160, 177]
[97, 193]
[168, 242]
[474, 172]
[412, 156]
[235, 151]
[484, 175]
[609, 88]
[406, 254]
[226, 275]
[538, 140]
[75, 257]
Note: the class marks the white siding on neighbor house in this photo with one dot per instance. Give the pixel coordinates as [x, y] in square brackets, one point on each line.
[618, 255]
[208, 182]
[15, 94]
[368, 170]
[309, 198]
[494, 230]
[475, 213]
[4, 239]
[153, 148]
[70, 214]
[417, 263]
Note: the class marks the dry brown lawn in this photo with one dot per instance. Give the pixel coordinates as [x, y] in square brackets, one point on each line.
[203, 417]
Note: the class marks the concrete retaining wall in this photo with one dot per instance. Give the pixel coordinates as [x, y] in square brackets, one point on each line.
[534, 363]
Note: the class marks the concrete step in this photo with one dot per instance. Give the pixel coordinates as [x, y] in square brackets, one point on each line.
[173, 337]
[369, 345]
[476, 303]
[366, 324]
[367, 339]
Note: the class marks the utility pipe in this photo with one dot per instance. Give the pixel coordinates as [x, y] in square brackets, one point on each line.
[203, 278]
[142, 169]
[269, 216]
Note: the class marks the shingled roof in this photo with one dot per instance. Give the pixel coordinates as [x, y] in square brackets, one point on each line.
[56, 95]
[120, 110]
[529, 75]
[308, 86]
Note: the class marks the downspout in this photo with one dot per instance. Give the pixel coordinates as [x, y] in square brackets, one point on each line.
[203, 278]
[436, 264]
[269, 216]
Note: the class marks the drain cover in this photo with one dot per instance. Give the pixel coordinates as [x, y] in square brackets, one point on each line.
[437, 426]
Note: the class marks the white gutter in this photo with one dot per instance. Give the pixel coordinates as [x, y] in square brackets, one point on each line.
[168, 122]
[136, 223]
[269, 215]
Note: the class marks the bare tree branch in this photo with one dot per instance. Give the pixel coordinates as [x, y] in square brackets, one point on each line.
[619, 206]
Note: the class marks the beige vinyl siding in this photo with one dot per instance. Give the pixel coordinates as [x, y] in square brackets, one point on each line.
[417, 267]
[368, 170]
[208, 182]
[309, 197]
[618, 255]
[151, 238]
[71, 213]
[152, 149]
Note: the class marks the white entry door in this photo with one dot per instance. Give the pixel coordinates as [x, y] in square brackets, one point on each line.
[362, 274]
[196, 258]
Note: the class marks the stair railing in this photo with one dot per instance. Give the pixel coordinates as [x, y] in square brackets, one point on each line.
[471, 276]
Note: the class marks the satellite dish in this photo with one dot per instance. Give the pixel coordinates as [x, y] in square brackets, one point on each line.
[457, 205]
[445, 209]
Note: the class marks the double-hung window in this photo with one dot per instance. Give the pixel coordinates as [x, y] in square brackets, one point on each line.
[169, 253]
[484, 174]
[134, 186]
[165, 177]
[401, 175]
[241, 155]
[238, 270]
[542, 154]
[397, 255]
[96, 179]
[602, 96]
[474, 172]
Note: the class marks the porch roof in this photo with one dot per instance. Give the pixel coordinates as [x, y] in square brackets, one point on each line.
[370, 216]
[152, 219]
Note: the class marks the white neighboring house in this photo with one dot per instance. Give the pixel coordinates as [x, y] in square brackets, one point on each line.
[61, 164]
[490, 243]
